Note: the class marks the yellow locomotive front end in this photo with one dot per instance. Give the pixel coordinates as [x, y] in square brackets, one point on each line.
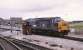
[63, 27]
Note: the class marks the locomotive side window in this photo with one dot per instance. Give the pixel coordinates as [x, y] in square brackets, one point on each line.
[34, 25]
[43, 25]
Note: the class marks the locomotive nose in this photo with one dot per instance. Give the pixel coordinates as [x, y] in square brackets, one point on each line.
[63, 27]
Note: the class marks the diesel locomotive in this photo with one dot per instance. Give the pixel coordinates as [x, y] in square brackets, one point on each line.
[54, 26]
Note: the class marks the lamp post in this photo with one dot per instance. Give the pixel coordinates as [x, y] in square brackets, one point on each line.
[10, 24]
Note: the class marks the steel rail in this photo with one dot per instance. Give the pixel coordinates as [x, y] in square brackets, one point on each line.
[73, 38]
[23, 47]
[6, 43]
[1, 47]
[30, 45]
[66, 37]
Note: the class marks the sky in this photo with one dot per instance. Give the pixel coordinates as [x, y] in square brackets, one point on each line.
[67, 9]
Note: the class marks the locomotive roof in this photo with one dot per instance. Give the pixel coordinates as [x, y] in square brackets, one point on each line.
[42, 19]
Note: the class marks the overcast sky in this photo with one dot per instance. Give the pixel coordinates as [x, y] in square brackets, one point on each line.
[67, 9]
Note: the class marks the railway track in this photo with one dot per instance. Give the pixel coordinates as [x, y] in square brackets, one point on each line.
[65, 37]
[23, 47]
[69, 38]
[7, 45]
[9, 29]
[73, 38]
[30, 45]
[27, 45]
[1, 47]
